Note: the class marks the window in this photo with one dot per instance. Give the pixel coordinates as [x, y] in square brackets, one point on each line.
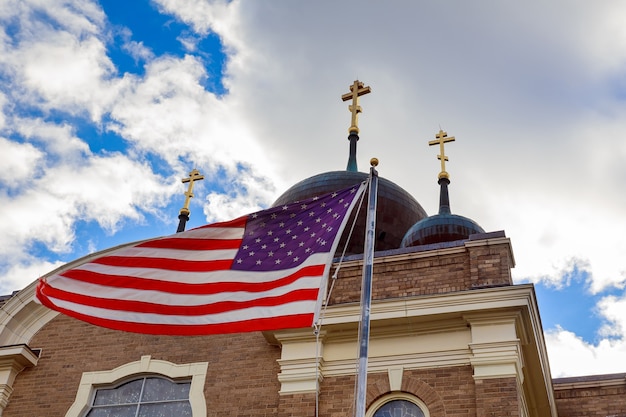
[398, 404]
[143, 397]
[145, 388]
[399, 408]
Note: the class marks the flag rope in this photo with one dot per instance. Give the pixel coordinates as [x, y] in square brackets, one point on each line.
[318, 325]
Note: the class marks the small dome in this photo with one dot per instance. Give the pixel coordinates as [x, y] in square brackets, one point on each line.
[396, 210]
[440, 228]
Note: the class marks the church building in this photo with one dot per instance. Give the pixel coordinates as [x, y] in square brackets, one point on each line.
[451, 335]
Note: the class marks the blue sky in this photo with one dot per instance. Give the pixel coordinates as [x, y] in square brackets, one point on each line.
[105, 106]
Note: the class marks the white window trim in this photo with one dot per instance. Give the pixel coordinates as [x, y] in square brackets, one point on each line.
[396, 396]
[91, 380]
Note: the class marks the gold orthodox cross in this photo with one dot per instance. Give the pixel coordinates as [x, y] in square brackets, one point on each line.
[194, 175]
[442, 137]
[357, 89]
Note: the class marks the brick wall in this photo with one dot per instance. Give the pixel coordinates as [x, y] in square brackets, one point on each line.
[70, 347]
[432, 272]
[497, 397]
[583, 399]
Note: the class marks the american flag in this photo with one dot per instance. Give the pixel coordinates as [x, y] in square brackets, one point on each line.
[263, 271]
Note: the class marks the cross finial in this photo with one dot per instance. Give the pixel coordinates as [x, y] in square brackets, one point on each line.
[356, 89]
[194, 175]
[442, 137]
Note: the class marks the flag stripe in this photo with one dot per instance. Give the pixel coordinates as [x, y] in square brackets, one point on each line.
[165, 263]
[295, 307]
[70, 286]
[289, 321]
[195, 277]
[189, 255]
[192, 244]
[179, 310]
[187, 288]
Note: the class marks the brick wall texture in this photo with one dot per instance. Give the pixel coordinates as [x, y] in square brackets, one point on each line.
[599, 401]
[242, 374]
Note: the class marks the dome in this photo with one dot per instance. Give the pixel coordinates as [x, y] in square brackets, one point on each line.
[440, 228]
[396, 209]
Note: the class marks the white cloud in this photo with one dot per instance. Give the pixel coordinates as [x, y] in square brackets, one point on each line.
[18, 162]
[570, 355]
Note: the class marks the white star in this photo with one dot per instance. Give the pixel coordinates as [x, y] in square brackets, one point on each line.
[329, 210]
[311, 214]
[323, 204]
[270, 254]
[307, 250]
[296, 259]
[313, 234]
[244, 247]
[301, 244]
[330, 229]
[316, 198]
[270, 233]
[258, 262]
[257, 240]
[265, 246]
[294, 237]
[239, 260]
[273, 216]
[299, 222]
[303, 206]
[306, 229]
[255, 215]
[251, 253]
[323, 242]
[276, 239]
[318, 220]
[288, 231]
[334, 195]
[289, 253]
[282, 245]
[285, 207]
[277, 261]
[281, 224]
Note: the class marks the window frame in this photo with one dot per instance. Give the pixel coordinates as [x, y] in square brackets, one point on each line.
[90, 381]
[394, 397]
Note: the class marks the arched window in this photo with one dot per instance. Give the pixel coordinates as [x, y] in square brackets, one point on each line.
[145, 388]
[142, 397]
[398, 405]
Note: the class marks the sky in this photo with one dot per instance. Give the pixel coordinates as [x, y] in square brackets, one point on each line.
[105, 107]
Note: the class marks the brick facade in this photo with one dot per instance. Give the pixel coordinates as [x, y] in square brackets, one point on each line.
[243, 371]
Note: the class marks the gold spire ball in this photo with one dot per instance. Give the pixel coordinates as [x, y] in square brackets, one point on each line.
[356, 89]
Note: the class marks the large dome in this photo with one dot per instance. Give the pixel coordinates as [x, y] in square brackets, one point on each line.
[396, 209]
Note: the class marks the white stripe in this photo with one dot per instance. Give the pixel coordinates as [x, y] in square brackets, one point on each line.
[200, 277]
[178, 254]
[165, 298]
[210, 233]
[298, 307]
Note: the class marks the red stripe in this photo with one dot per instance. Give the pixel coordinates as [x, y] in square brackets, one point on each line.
[238, 222]
[259, 324]
[191, 244]
[167, 264]
[122, 281]
[178, 310]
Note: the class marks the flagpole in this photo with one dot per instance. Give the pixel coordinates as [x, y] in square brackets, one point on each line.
[366, 291]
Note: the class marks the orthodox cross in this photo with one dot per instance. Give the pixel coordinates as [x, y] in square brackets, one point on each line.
[357, 89]
[442, 137]
[194, 175]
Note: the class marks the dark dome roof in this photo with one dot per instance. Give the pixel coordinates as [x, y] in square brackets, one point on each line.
[396, 209]
[440, 228]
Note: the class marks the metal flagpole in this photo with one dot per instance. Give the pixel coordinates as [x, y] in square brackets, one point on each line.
[366, 291]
